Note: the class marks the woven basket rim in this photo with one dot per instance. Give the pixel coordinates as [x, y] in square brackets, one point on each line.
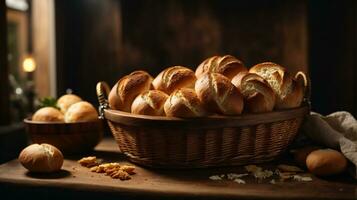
[29, 121]
[215, 121]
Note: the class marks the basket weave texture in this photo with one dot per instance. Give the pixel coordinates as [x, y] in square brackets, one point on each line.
[163, 142]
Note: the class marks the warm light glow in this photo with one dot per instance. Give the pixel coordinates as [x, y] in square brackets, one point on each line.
[29, 64]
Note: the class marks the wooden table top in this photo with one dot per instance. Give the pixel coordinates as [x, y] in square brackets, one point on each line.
[171, 184]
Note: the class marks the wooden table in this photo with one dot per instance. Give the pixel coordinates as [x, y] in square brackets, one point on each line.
[75, 181]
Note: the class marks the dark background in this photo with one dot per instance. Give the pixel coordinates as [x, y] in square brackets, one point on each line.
[103, 40]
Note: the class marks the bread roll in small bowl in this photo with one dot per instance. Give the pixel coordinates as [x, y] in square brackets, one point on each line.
[70, 138]
[210, 141]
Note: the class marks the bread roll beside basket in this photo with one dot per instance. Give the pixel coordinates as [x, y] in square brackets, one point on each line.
[208, 141]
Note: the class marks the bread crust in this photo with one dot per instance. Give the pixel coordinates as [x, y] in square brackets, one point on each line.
[289, 93]
[43, 158]
[174, 78]
[48, 114]
[325, 162]
[218, 94]
[226, 65]
[127, 89]
[65, 101]
[150, 103]
[184, 103]
[81, 111]
[258, 95]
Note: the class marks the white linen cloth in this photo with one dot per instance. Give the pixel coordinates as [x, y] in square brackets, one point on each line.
[337, 130]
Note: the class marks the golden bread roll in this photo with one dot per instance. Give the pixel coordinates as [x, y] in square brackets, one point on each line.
[218, 94]
[65, 101]
[227, 65]
[184, 103]
[127, 89]
[48, 114]
[289, 93]
[325, 162]
[41, 158]
[258, 95]
[174, 78]
[149, 103]
[81, 111]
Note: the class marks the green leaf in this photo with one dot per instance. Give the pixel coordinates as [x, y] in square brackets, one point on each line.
[48, 102]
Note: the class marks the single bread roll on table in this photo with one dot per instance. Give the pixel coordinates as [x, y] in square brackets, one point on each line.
[218, 94]
[48, 114]
[81, 111]
[127, 89]
[259, 96]
[288, 91]
[41, 158]
[325, 162]
[174, 78]
[184, 103]
[149, 103]
[65, 101]
[227, 65]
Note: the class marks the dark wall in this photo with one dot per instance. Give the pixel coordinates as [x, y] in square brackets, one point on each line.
[104, 40]
[333, 55]
[4, 71]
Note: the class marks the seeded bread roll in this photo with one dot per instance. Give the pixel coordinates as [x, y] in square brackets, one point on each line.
[227, 65]
[174, 78]
[48, 114]
[218, 94]
[65, 101]
[127, 89]
[81, 111]
[325, 162]
[150, 103]
[289, 93]
[258, 95]
[184, 103]
[43, 158]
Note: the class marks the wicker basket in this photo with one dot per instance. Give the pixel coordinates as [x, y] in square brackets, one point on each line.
[70, 138]
[166, 142]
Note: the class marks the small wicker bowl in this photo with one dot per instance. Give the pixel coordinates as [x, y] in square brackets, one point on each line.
[70, 138]
[168, 142]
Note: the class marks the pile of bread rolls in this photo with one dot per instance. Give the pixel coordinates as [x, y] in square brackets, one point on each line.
[220, 85]
[69, 108]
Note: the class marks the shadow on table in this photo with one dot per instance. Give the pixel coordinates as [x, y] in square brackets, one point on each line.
[55, 175]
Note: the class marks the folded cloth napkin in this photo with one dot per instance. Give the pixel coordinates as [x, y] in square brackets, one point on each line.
[337, 130]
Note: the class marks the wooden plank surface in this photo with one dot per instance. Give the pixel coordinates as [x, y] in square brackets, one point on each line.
[148, 183]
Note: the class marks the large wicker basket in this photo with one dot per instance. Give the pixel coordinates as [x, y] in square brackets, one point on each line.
[166, 142]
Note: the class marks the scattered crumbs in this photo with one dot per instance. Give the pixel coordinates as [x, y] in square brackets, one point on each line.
[302, 178]
[232, 176]
[239, 181]
[222, 175]
[263, 174]
[272, 181]
[289, 168]
[215, 178]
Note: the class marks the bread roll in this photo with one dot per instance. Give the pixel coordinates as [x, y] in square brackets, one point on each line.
[48, 114]
[289, 93]
[81, 111]
[218, 94]
[41, 158]
[325, 162]
[258, 95]
[127, 88]
[227, 65]
[149, 103]
[174, 78]
[65, 101]
[184, 103]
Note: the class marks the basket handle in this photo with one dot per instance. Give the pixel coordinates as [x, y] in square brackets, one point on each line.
[307, 86]
[103, 90]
